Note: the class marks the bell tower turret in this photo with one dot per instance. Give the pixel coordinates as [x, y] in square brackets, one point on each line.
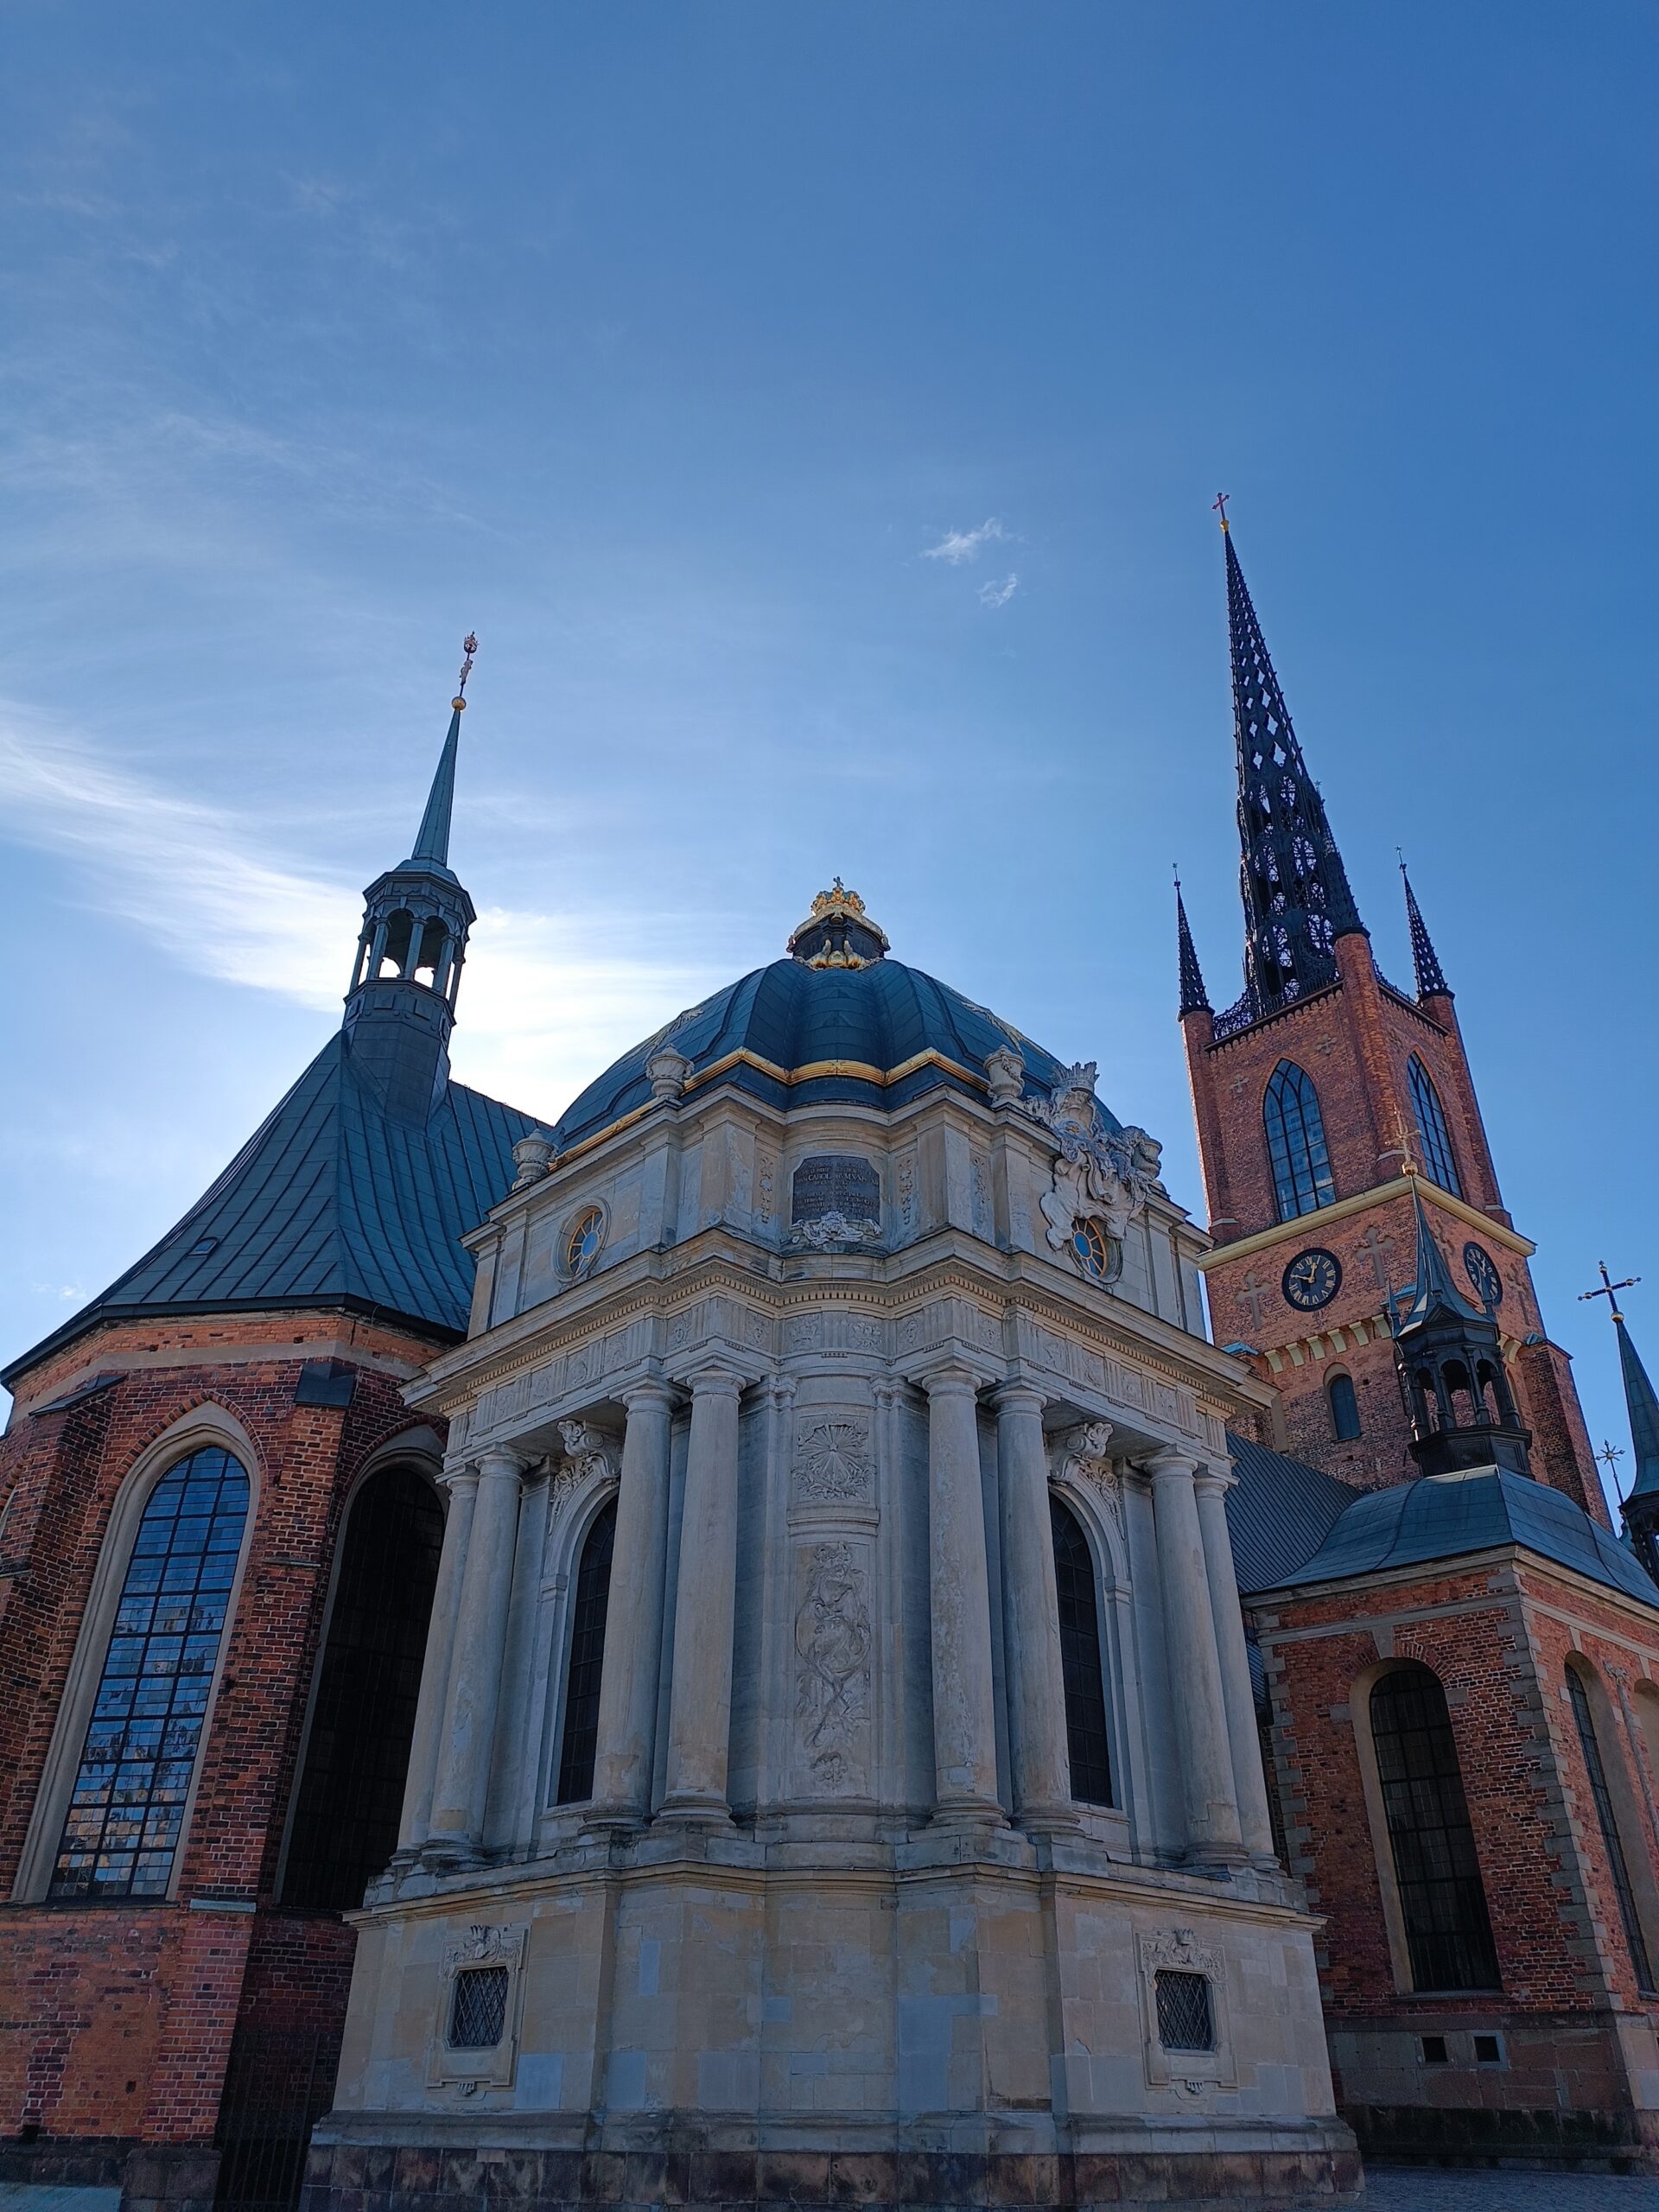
[400, 1009]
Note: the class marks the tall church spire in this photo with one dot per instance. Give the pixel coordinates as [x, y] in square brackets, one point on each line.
[1431, 978]
[401, 1006]
[1641, 1508]
[1194, 998]
[1297, 901]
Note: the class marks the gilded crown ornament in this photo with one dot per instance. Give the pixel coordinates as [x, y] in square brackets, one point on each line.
[838, 933]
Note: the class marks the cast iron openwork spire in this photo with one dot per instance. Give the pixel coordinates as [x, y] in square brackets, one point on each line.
[1297, 902]
[401, 1006]
[1194, 998]
[1431, 977]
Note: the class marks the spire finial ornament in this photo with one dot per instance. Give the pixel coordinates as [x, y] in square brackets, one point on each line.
[1610, 1290]
[1219, 506]
[838, 933]
[468, 646]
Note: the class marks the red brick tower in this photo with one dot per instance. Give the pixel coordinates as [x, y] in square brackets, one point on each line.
[1315, 1095]
[219, 1532]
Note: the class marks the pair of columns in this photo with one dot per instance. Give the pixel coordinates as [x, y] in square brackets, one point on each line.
[450, 1757]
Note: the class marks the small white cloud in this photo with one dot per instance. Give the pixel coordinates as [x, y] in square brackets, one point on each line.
[959, 545]
[999, 594]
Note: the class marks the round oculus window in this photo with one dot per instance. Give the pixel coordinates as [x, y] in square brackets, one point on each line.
[1096, 1253]
[1312, 1279]
[1482, 1271]
[582, 1240]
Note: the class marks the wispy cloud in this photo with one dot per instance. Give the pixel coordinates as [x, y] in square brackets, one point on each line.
[548, 999]
[957, 546]
[993, 595]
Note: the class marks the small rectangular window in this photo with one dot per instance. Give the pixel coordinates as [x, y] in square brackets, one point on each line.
[1185, 2019]
[478, 2008]
[1435, 2051]
[1488, 2050]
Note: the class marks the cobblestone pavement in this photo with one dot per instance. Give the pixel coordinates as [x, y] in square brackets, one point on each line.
[1435, 2189]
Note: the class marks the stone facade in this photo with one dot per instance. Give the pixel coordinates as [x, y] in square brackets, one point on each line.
[827, 1917]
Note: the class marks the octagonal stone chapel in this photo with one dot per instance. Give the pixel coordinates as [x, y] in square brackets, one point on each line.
[836, 1775]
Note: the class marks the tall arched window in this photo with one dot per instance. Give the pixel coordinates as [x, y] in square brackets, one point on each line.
[351, 1791]
[1607, 1820]
[1301, 1166]
[1448, 1933]
[1344, 1408]
[127, 1806]
[1086, 1738]
[1432, 1132]
[580, 1740]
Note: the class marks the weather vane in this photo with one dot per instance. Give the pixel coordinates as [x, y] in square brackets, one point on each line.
[1609, 1289]
[1219, 506]
[468, 646]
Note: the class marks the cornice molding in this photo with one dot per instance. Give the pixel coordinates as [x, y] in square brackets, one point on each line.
[1401, 1186]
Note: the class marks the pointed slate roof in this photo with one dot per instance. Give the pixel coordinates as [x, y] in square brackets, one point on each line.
[331, 1202]
[1431, 979]
[1434, 1291]
[1297, 899]
[1644, 1409]
[1194, 998]
[432, 843]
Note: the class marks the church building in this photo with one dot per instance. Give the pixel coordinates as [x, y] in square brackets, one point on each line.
[749, 1647]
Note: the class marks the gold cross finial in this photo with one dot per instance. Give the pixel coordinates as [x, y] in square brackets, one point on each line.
[469, 646]
[1609, 1289]
[1219, 506]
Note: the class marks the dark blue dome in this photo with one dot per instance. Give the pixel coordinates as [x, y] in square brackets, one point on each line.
[800, 1035]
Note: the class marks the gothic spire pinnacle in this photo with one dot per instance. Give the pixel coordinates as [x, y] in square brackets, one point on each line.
[1194, 998]
[1431, 977]
[1640, 1401]
[432, 843]
[1297, 899]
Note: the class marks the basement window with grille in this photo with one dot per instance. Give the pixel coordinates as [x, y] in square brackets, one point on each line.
[1185, 2021]
[478, 2008]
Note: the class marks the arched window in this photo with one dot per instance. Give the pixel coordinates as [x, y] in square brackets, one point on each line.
[394, 952]
[127, 1806]
[1344, 1408]
[1432, 1134]
[1301, 1166]
[586, 1655]
[1438, 1876]
[351, 1792]
[1086, 1738]
[1607, 1820]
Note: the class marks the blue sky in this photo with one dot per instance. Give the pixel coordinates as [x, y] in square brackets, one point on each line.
[666, 346]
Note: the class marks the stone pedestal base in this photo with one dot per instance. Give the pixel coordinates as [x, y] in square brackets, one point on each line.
[1313, 2166]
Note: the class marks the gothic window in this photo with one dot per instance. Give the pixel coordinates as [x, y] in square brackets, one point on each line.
[351, 1792]
[1437, 1164]
[127, 1808]
[1344, 1408]
[1086, 1736]
[1301, 1166]
[1448, 1934]
[1607, 1820]
[581, 1740]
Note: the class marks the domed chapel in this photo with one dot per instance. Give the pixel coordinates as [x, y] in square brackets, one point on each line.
[749, 1647]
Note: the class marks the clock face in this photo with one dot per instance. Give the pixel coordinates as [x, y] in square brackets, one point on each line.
[1313, 1280]
[1482, 1270]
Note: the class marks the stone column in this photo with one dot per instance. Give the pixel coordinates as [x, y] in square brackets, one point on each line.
[462, 1488]
[1194, 1665]
[633, 1617]
[469, 1738]
[700, 1698]
[1030, 1616]
[965, 1718]
[1249, 1782]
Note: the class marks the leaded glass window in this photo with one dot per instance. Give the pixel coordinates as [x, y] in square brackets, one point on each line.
[581, 1741]
[478, 2008]
[1612, 1843]
[1448, 1934]
[1087, 1742]
[351, 1793]
[127, 1806]
[1296, 1148]
[1185, 2021]
[1432, 1132]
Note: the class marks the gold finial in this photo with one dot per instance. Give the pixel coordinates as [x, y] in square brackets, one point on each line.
[1219, 506]
[469, 646]
[822, 940]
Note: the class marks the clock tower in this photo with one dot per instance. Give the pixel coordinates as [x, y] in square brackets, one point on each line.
[1338, 1126]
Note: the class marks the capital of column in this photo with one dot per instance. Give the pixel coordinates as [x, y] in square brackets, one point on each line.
[781, 1390]
[1019, 1398]
[1168, 1465]
[462, 1474]
[651, 1390]
[951, 1379]
[716, 1382]
[1213, 1474]
[498, 1462]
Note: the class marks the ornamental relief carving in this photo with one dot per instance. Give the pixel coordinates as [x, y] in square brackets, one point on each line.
[833, 1642]
[1100, 1175]
[833, 1463]
[1085, 1458]
[588, 1453]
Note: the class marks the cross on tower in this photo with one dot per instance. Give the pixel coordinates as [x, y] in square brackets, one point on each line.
[1610, 1291]
[1251, 1292]
[1218, 505]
